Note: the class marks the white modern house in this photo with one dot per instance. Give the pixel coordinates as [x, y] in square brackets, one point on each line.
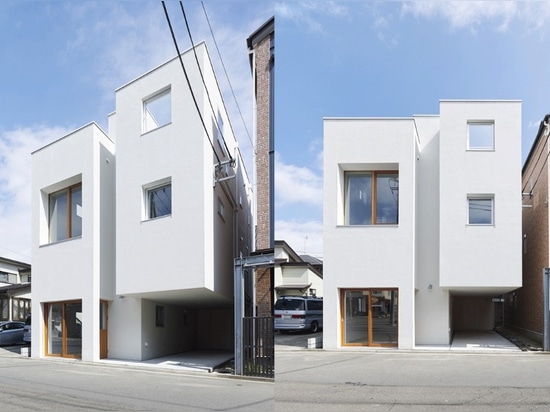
[135, 229]
[422, 223]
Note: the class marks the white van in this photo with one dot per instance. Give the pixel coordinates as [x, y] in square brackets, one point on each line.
[298, 313]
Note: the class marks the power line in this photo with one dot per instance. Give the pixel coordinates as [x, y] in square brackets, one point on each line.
[188, 81]
[203, 81]
[227, 77]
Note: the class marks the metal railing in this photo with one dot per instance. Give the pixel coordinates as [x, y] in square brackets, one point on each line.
[258, 347]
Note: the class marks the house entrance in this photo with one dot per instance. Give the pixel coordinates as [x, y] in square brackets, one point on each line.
[369, 317]
[64, 329]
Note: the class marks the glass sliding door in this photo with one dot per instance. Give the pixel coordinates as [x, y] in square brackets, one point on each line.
[356, 320]
[55, 328]
[384, 317]
[73, 326]
[64, 329]
[369, 317]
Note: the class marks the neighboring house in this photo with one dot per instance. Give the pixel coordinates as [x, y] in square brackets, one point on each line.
[422, 223]
[261, 48]
[296, 275]
[15, 289]
[524, 307]
[135, 230]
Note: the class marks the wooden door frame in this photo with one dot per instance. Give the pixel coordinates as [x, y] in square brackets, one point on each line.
[63, 353]
[342, 305]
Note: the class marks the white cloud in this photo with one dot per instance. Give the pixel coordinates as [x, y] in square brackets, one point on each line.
[305, 237]
[297, 185]
[16, 147]
[476, 14]
[307, 13]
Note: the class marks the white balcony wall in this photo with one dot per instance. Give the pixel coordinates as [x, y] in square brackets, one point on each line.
[376, 256]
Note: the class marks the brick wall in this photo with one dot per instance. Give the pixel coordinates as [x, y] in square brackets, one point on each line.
[264, 302]
[262, 144]
[524, 306]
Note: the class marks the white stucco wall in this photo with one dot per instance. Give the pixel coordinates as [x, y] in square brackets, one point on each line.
[480, 256]
[71, 269]
[193, 247]
[432, 311]
[368, 256]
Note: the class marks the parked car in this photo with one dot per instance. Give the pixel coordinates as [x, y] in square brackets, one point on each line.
[11, 332]
[298, 313]
[27, 330]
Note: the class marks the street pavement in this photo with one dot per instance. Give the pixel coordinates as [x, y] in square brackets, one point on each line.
[384, 380]
[30, 384]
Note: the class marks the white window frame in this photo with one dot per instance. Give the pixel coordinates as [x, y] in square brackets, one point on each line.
[146, 205]
[149, 123]
[472, 198]
[481, 148]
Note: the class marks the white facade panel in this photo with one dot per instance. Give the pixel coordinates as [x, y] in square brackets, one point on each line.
[480, 256]
[372, 256]
[70, 270]
[458, 240]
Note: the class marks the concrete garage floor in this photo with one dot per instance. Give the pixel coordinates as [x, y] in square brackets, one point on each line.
[463, 341]
[197, 361]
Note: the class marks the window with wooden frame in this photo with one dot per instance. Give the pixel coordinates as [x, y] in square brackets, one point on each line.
[65, 213]
[371, 198]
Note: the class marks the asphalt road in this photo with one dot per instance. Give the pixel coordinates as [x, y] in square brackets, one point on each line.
[411, 381]
[29, 384]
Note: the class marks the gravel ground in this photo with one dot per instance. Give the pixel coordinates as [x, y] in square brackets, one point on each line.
[521, 340]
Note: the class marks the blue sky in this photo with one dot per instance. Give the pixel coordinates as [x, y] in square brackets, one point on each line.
[61, 62]
[389, 58]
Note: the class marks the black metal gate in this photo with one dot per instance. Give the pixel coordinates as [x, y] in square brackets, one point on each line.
[258, 347]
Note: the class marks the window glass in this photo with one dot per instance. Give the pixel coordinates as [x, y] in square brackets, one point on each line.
[59, 220]
[76, 211]
[480, 136]
[387, 191]
[359, 199]
[159, 201]
[480, 211]
[62, 223]
[157, 111]
[372, 198]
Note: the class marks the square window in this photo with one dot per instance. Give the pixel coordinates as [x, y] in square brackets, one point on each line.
[65, 213]
[372, 198]
[481, 136]
[480, 210]
[159, 201]
[157, 111]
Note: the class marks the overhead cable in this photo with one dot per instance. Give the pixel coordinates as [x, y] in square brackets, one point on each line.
[188, 81]
[227, 77]
[203, 81]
